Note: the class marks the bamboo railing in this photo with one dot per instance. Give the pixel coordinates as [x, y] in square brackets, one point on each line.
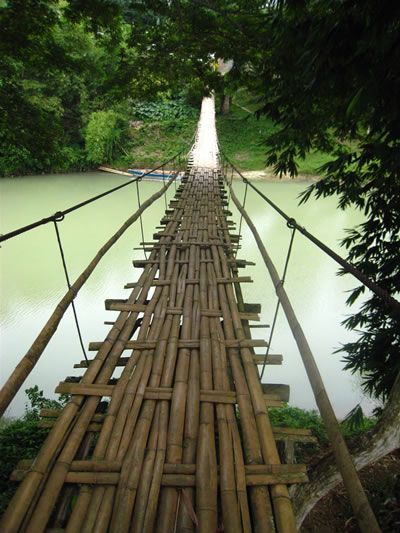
[360, 504]
[168, 427]
[28, 362]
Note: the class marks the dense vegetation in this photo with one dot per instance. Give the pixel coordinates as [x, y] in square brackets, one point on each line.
[337, 90]
[326, 74]
[70, 83]
[22, 439]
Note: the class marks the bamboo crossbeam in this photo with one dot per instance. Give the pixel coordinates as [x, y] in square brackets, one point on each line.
[189, 343]
[272, 399]
[99, 477]
[272, 359]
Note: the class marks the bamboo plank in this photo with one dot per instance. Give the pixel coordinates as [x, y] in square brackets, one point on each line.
[272, 359]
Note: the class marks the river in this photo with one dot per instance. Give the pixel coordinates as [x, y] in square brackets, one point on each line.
[32, 280]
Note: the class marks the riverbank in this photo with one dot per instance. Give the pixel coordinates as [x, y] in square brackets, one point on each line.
[269, 176]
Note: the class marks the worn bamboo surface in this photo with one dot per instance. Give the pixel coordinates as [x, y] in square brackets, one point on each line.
[177, 438]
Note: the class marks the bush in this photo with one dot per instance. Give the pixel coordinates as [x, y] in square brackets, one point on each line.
[295, 417]
[72, 158]
[14, 160]
[19, 439]
[22, 439]
[160, 111]
[104, 136]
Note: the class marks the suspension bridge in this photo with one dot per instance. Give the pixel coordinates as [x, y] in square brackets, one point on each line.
[167, 429]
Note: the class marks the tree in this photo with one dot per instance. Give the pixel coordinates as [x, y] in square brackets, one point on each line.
[333, 80]
[328, 75]
[55, 71]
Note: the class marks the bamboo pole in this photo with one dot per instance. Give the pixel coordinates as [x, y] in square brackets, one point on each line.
[358, 499]
[27, 363]
[101, 368]
[185, 519]
[260, 506]
[170, 497]
[229, 497]
[122, 386]
[284, 515]
[128, 484]
[59, 471]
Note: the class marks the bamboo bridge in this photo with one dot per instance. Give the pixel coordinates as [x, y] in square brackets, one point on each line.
[167, 429]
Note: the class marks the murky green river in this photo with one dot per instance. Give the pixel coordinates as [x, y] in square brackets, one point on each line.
[32, 280]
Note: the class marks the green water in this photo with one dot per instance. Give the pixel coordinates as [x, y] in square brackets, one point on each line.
[32, 281]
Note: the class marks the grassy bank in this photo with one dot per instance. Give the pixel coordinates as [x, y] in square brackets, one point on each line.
[152, 143]
[241, 136]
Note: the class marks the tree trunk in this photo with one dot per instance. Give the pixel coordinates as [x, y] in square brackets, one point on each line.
[370, 447]
[225, 104]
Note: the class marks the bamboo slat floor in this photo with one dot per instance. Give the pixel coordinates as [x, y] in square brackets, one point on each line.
[174, 435]
[181, 440]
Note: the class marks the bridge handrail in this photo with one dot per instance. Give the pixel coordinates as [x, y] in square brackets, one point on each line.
[391, 303]
[59, 215]
[28, 362]
[358, 499]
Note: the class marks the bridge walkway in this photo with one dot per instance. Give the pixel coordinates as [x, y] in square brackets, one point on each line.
[180, 439]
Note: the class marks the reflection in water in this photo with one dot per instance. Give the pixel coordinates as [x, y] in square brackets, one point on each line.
[32, 280]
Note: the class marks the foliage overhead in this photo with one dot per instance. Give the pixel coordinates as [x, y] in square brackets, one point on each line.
[332, 82]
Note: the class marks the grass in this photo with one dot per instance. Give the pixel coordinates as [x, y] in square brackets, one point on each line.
[241, 135]
[155, 142]
[241, 138]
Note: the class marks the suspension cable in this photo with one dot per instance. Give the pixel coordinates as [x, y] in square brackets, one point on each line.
[278, 303]
[230, 185]
[241, 219]
[390, 302]
[141, 220]
[64, 263]
[243, 205]
[56, 216]
[165, 192]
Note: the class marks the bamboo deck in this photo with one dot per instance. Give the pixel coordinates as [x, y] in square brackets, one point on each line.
[168, 429]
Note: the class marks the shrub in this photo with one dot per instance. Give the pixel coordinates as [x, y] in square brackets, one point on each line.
[171, 110]
[104, 136]
[22, 439]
